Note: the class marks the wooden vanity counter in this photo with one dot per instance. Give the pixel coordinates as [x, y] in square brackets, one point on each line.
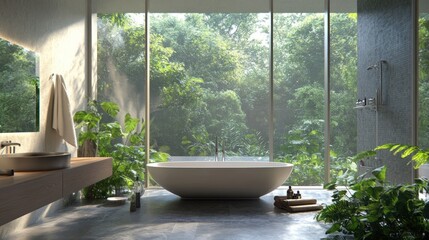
[28, 191]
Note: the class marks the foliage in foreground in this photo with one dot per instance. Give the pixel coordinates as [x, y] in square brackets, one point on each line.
[371, 208]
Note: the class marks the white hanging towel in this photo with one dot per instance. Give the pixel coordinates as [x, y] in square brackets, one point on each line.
[62, 120]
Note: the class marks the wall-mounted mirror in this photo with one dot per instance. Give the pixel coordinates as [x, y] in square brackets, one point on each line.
[19, 89]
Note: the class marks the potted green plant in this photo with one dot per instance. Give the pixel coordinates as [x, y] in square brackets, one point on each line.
[100, 130]
[371, 208]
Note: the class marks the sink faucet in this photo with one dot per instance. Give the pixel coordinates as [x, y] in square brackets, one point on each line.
[6, 145]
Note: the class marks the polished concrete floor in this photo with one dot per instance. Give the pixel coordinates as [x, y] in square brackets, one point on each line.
[166, 216]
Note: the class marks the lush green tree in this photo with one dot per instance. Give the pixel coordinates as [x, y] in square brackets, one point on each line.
[303, 146]
[343, 83]
[124, 47]
[203, 52]
[181, 115]
[237, 27]
[298, 68]
[299, 94]
[121, 57]
[227, 120]
[299, 85]
[211, 57]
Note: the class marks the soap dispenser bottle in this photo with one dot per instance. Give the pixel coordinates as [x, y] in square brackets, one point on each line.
[133, 203]
[137, 191]
[289, 193]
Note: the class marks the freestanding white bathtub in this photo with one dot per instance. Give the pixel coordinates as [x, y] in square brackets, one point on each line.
[220, 179]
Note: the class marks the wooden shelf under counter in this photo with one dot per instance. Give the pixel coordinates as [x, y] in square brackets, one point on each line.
[27, 191]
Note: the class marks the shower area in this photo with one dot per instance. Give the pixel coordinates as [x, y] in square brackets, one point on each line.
[307, 82]
[386, 105]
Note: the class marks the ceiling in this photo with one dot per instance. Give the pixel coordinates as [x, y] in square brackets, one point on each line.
[203, 6]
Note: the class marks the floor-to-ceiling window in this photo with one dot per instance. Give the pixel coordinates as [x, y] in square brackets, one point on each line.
[210, 81]
[343, 89]
[121, 61]
[214, 87]
[299, 92]
[423, 81]
[423, 73]
[120, 94]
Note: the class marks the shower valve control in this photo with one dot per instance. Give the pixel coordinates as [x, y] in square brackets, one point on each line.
[361, 102]
[372, 101]
[366, 103]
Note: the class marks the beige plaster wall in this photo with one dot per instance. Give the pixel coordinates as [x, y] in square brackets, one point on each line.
[55, 29]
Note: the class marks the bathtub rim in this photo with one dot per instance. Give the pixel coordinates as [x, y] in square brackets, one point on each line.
[218, 164]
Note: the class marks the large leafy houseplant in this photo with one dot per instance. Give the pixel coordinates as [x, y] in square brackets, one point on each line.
[125, 144]
[371, 208]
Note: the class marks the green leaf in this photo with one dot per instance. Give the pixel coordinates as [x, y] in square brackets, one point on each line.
[114, 129]
[376, 191]
[385, 146]
[400, 149]
[130, 123]
[79, 116]
[136, 139]
[421, 157]
[380, 173]
[364, 155]
[353, 224]
[110, 108]
[373, 217]
[395, 147]
[159, 156]
[409, 151]
[334, 228]
[330, 186]
[339, 194]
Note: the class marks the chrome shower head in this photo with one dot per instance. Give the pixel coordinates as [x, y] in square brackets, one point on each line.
[375, 66]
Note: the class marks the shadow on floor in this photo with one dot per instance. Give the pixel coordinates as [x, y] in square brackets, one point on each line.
[167, 216]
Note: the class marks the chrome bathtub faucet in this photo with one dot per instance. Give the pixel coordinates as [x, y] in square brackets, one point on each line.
[223, 151]
[216, 151]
